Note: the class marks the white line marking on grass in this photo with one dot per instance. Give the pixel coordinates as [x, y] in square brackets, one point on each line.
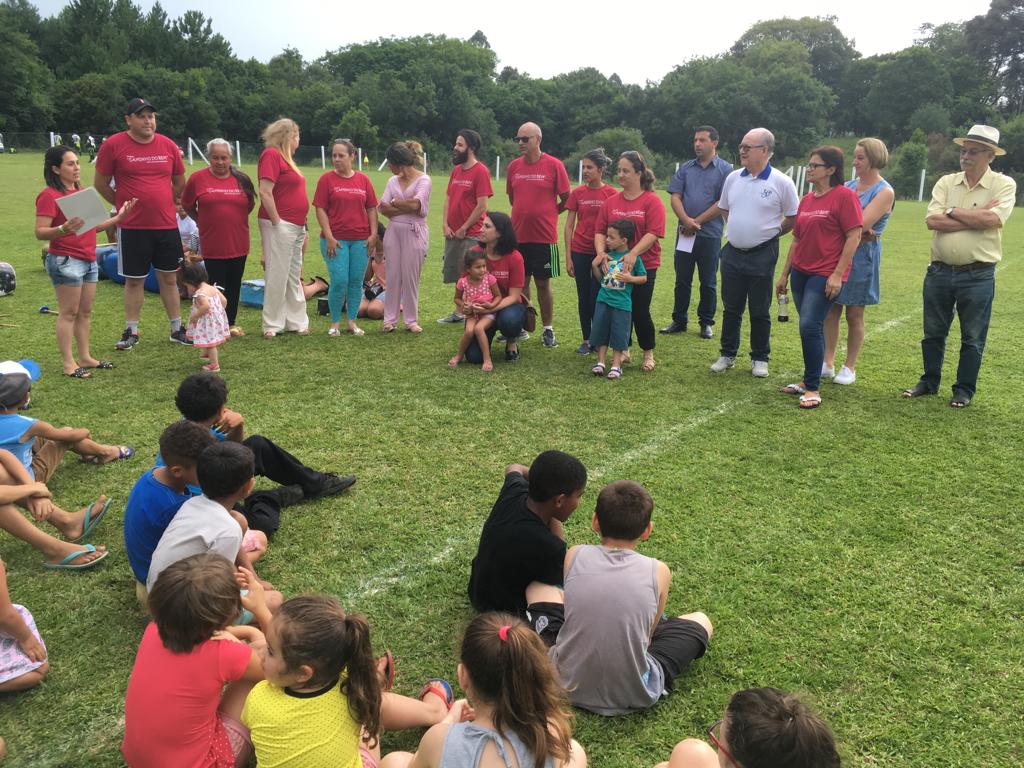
[397, 574]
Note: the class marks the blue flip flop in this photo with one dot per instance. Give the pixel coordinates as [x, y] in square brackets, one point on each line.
[90, 521]
[65, 564]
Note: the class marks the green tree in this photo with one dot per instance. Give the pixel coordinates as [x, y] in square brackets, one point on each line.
[913, 78]
[998, 38]
[908, 161]
[27, 85]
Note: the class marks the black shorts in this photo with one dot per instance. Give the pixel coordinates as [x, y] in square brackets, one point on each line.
[675, 643]
[546, 619]
[138, 249]
[542, 260]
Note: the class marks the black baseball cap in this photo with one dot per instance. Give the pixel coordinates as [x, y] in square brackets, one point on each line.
[138, 104]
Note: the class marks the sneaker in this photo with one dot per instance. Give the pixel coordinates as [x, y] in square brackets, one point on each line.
[549, 338]
[845, 376]
[706, 332]
[180, 336]
[332, 484]
[128, 340]
[723, 364]
[454, 317]
[584, 348]
[826, 372]
[523, 336]
[759, 368]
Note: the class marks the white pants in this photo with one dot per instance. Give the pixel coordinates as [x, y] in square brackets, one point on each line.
[284, 305]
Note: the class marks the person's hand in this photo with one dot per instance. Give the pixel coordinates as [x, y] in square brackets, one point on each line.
[255, 601]
[833, 285]
[782, 286]
[372, 245]
[449, 233]
[332, 247]
[33, 649]
[39, 491]
[570, 270]
[628, 261]
[223, 634]
[601, 260]
[460, 712]
[40, 508]
[469, 309]
[230, 419]
[460, 233]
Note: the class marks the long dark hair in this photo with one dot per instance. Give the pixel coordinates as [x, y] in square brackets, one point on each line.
[507, 241]
[245, 183]
[54, 157]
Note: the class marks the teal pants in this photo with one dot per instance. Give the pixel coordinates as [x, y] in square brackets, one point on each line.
[346, 277]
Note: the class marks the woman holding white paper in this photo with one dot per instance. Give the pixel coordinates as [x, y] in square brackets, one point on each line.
[70, 259]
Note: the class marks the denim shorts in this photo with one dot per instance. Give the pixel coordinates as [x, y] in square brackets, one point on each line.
[64, 270]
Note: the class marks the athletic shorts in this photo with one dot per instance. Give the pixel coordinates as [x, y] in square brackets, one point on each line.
[454, 257]
[140, 249]
[546, 619]
[542, 260]
[675, 643]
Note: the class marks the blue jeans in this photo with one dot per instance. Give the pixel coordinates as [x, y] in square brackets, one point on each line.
[813, 306]
[705, 259]
[509, 321]
[587, 287]
[970, 294]
[346, 275]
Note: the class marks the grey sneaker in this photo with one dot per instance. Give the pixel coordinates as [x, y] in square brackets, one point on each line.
[548, 338]
[454, 317]
[523, 336]
[180, 336]
[128, 340]
[723, 364]
[759, 368]
[584, 348]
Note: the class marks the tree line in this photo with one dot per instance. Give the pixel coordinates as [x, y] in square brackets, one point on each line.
[800, 77]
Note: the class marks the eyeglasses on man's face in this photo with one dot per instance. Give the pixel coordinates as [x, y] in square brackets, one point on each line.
[748, 147]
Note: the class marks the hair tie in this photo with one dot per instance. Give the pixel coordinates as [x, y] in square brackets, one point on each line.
[503, 633]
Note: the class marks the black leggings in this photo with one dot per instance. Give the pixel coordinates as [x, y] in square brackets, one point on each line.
[227, 273]
[642, 322]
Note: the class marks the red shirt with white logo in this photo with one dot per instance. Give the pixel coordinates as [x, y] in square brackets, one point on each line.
[534, 189]
[647, 213]
[464, 187]
[820, 230]
[509, 270]
[346, 202]
[587, 201]
[223, 214]
[82, 246]
[289, 187]
[144, 171]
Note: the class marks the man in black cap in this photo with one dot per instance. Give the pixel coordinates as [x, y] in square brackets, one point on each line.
[145, 165]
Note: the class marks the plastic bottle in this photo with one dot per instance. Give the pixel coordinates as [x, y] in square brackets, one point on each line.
[783, 308]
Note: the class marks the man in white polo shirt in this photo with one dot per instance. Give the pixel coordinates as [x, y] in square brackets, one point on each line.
[759, 204]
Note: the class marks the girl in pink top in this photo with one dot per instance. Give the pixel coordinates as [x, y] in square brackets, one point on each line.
[476, 295]
[176, 715]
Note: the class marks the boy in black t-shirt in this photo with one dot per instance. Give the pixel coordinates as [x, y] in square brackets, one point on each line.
[522, 541]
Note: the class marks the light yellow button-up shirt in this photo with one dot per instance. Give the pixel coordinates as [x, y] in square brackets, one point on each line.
[952, 191]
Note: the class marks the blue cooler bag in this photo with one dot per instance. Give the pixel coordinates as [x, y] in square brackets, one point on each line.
[106, 259]
[252, 293]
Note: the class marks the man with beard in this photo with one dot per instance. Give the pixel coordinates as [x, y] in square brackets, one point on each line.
[465, 204]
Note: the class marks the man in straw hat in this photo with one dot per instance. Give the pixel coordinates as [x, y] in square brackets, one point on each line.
[966, 213]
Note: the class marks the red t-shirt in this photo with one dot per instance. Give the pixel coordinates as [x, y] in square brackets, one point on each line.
[223, 214]
[464, 187]
[534, 189]
[289, 187]
[509, 270]
[144, 171]
[346, 202]
[76, 246]
[170, 709]
[587, 203]
[647, 212]
[820, 230]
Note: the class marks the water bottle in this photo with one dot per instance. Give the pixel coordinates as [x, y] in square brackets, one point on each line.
[783, 307]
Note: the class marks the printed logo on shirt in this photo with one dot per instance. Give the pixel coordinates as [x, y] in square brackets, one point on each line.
[467, 183]
[349, 191]
[147, 158]
[531, 177]
[766, 193]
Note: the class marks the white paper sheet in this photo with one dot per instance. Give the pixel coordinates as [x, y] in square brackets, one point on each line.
[86, 204]
[685, 243]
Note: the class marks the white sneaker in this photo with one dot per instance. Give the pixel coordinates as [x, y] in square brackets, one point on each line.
[723, 364]
[845, 376]
[826, 372]
[759, 368]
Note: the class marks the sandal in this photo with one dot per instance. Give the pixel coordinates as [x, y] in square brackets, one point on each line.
[918, 390]
[648, 365]
[65, 564]
[440, 688]
[211, 368]
[626, 358]
[79, 373]
[333, 332]
[807, 402]
[959, 400]
[269, 334]
[89, 522]
[389, 670]
[236, 331]
[387, 329]
[123, 452]
[414, 328]
[103, 365]
[598, 369]
[615, 373]
[357, 331]
[793, 389]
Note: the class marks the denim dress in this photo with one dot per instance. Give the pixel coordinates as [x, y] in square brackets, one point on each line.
[862, 286]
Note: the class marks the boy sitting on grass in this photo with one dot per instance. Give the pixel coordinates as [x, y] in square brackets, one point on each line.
[204, 523]
[522, 541]
[616, 652]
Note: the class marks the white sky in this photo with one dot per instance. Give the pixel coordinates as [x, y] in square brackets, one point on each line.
[639, 42]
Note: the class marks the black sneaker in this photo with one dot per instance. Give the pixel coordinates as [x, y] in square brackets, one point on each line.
[180, 336]
[548, 337]
[332, 484]
[128, 340]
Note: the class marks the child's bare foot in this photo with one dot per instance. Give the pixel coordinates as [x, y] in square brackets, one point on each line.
[454, 362]
[78, 526]
[386, 670]
[61, 550]
[487, 367]
[110, 453]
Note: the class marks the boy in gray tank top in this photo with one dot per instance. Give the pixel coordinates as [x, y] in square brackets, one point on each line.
[616, 653]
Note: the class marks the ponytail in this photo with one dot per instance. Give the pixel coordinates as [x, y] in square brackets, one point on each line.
[362, 687]
[509, 668]
[246, 184]
[647, 177]
[403, 153]
[768, 727]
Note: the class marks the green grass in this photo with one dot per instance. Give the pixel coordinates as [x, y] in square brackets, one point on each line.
[865, 555]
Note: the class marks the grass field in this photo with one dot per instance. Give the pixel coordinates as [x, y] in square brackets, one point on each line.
[866, 554]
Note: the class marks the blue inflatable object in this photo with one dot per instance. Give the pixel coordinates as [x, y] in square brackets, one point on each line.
[106, 259]
[34, 371]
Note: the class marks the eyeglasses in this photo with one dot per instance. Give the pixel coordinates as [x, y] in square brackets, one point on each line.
[716, 740]
[522, 139]
[972, 152]
[812, 166]
[748, 147]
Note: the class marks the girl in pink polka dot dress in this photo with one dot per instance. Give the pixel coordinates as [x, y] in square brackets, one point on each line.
[208, 326]
[476, 296]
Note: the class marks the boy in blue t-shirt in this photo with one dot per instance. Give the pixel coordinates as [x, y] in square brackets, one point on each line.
[613, 313]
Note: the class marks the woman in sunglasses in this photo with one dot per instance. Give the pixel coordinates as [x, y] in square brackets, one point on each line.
[761, 728]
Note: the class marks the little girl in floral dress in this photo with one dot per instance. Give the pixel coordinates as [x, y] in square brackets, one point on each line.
[208, 326]
[476, 296]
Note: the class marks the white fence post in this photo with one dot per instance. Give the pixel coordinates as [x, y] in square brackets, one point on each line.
[360, 159]
[192, 144]
[920, 189]
[382, 164]
[238, 151]
[677, 167]
[497, 168]
[53, 140]
[581, 173]
[323, 158]
[424, 161]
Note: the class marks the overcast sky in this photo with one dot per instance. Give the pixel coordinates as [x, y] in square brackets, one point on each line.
[640, 41]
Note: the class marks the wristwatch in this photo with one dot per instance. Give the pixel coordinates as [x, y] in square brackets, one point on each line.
[949, 212]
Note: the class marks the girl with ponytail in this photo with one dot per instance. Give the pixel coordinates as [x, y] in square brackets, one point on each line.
[316, 652]
[519, 711]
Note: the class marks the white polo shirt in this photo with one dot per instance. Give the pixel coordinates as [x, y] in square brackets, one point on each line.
[757, 205]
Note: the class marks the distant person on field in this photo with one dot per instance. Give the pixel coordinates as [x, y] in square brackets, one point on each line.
[761, 727]
[537, 187]
[522, 541]
[616, 652]
[695, 190]
[147, 167]
[465, 203]
[967, 213]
